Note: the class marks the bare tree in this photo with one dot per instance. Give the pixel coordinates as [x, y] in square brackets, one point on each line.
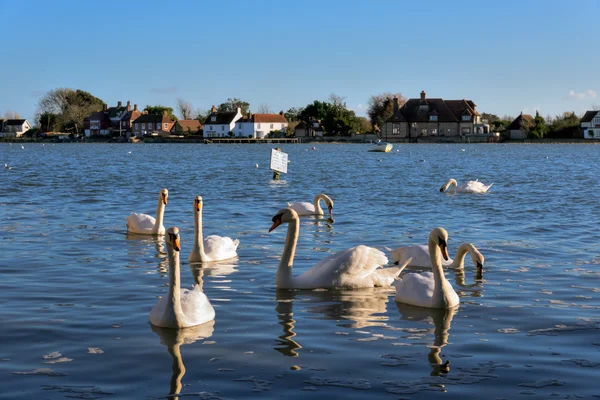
[264, 108]
[185, 109]
[337, 101]
[595, 107]
[10, 114]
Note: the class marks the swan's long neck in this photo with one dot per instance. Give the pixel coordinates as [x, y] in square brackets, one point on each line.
[160, 213]
[284, 272]
[198, 238]
[438, 273]
[174, 300]
[317, 204]
[459, 259]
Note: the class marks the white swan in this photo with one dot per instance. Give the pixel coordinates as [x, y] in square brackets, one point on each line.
[468, 187]
[421, 257]
[305, 208]
[357, 267]
[427, 289]
[210, 248]
[145, 224]
[181, 308]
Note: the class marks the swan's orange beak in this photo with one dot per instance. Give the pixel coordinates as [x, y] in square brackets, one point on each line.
[276, 222]
[164, 197]
[176, 245]
[198, 205]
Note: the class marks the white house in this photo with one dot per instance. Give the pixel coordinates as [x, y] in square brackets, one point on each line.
[14, 127]
[258, 126]
[590, 125]
[219, 124]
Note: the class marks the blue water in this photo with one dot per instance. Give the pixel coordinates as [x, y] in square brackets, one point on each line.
[76, 291]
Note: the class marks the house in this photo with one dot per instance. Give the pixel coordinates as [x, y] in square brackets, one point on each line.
[187, 127]
[518, 129]
[219, 124]
[258, 126]
[14, 127]
[433, 117]
[153, 125]
[590, 125]
[112, 120]
[311, 128]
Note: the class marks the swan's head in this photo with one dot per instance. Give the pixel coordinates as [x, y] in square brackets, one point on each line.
[198, 204]
[164, 196]
[328, 202]
[440, 237]
[172, 237]
[447, 184]
[478, 259]
[285, 215]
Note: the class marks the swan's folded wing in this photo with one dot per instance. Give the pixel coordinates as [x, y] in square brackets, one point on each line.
[196, 307]
[140, 221]
[360, 261]
[220, 247]
[475, 187]
[419, 254]
[302, 207]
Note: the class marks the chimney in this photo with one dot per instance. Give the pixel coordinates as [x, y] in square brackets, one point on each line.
[250, 115]
[104, 107]
[213, 109]
[281, 113]
[239, 110]
[135, 107]
[128, 105]
[145, 112]
[395, 100]
[165, 112]
[119, 103]
[423, 95]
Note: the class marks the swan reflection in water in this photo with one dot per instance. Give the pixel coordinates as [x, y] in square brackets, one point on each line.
[138, 248]
[441, 319]
[173, 339]
[354, 309]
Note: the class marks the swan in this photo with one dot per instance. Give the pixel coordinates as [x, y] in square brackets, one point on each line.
[210, 248]
[181, 308]
[145, 224]
[421, 258]
[356, 267]
[428, 289]
[305, 208]
[468, 187]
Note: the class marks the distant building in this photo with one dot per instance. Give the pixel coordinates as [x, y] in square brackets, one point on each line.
[111, 120]
[219, 124]
[14, 127]
[433, 117]
[153, 125]
[590, 125]
[187, 127]
[258, 126]
[314, 128]
[518, 129]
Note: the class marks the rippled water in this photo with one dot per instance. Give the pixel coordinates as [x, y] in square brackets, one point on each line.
[76, 291]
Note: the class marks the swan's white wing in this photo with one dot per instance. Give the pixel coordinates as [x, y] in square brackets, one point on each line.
[302, 208]
[415, 289]
[419, 254]
[474, 187]
[140, 223]
[220, 247]
[196, 307]
[159, 315]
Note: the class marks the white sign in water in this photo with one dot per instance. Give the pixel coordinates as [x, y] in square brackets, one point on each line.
[279, 161]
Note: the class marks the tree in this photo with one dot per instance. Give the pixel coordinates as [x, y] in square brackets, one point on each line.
[158, 109]
[381, 107]
[293, 114]
[185, 109]
[264, 108]
[364, 125]
[64, 109]
[232, 104]
[10, 114]
[334, 116]
[201, 116]
[539, 128]
[291, 128]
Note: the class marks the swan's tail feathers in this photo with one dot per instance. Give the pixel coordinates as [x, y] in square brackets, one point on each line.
[236, 243]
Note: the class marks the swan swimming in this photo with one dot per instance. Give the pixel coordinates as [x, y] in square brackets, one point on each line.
[145, 224]
[467, 187]
[181, 308]
[356, 267]
[421, 257]
[429, 289]
[305, 208]
[213, 247]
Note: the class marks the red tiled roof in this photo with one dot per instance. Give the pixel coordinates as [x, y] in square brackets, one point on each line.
[189, 124]
[269, 118]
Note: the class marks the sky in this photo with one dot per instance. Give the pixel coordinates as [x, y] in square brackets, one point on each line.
[508, 57]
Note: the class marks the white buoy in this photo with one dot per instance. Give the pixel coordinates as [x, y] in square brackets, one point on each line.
[128, 152]
[22, 147]
[256, 165]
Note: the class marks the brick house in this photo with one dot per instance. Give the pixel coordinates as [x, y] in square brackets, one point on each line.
[111, 120]
[153, 125]
[314, 128]
[186, 126]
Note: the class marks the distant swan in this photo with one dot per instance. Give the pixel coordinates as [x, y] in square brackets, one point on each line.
[213, 247]
[145, 224]
[468, 187]
[305, 208]
[421, 257]
[428, 289]
[181, 308]
[357, 267]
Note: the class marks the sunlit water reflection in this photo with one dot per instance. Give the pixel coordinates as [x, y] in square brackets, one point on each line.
[76, 290]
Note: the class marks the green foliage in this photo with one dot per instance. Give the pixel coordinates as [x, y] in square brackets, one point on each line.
[381, 107]
[566, 125]
[293, 114]
[539, 128]
[232, 104]
[158, 109]
[335, 117]
[64, 109]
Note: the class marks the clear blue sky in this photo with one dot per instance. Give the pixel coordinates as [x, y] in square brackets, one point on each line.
[507, 56]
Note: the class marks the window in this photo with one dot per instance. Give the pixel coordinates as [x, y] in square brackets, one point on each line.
[271, 126]
[213, 118]
[434, 131]
[395, 129]
[222, 127]
[466, 117]
[465, 130]
[166, 126]
[158, 125]
[433, 117]
[143, 126]
[137, 126]
[423, 132]
[258, 126]
[124, 123]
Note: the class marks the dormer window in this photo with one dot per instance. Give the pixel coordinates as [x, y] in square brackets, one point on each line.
[213, 118]
[433, 118]
[466, 117]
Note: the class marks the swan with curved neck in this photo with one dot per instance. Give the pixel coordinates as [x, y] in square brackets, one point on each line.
[181, 308]
[421, 257]
[305, 208]
[213, 247]
[144, 224]
[429, 289]
[467, 187]
[357, 267]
